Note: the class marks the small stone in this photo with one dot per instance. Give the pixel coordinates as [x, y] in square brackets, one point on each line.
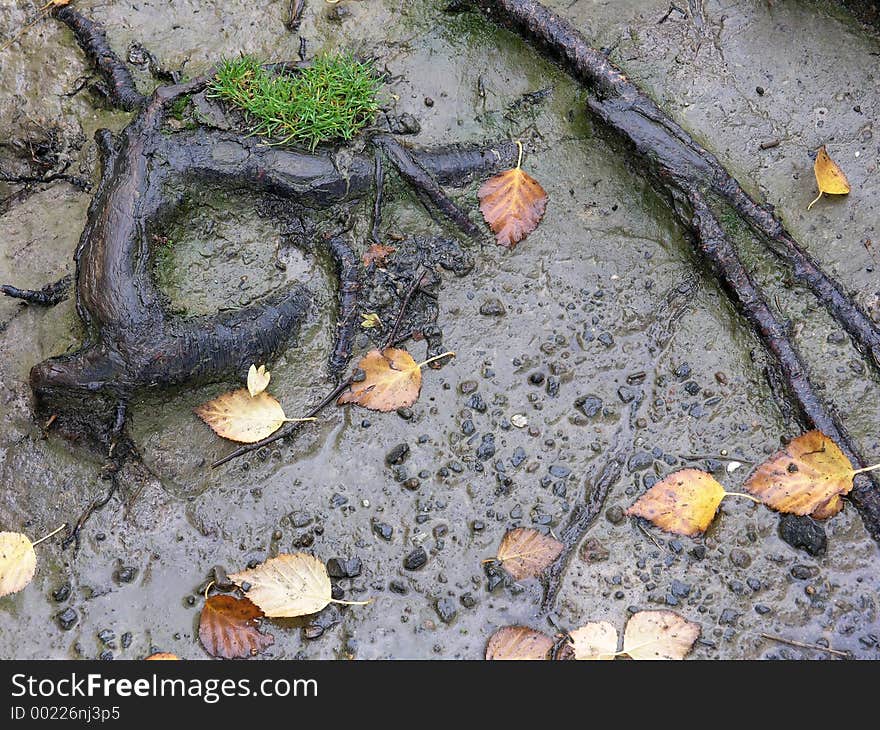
[589, 405]
[312, 631]
[593, 551]
[486, 449]
[519, 420]
[679, 589]
[559, 471]
[429, 102]
[519, 456]
[606, 339]
[803, 533]
[467, 387]
[299, 519]
[67, 619]
[416, 559]
[337, 500]
[493, 308]
[682, 371]
[536, 378]
[62, 593]
[728, 617]
[761, 609]
[344, 568]
[698, 552]
[468, 600]
[383, 530]
[614, 514]
[804, 572]
[125, 574]
[397, 455]
[399, 587]
[627, 394]
[446, 610]
[740, 558]
[640, 460]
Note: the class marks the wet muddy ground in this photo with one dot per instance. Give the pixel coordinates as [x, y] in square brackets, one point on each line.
[601, 330]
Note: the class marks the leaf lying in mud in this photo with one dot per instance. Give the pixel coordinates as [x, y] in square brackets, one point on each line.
[684, 502]
[392, 380]
[228, 628]
[659, 635]
[376, 254]
[525, 553]
[513, 204]
[240, 417]
[257, 380]
[597, 640]
[807, 477]
[161, 656]
[289, 585]
[829, 177]
[18, 562]
[369, 320]
[518, 643]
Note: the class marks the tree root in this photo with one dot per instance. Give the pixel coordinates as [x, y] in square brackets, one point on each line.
[48, 296]
[686, 174]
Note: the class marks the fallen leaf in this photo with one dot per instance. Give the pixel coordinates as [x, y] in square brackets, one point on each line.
[513, 204]
[289, 585]
[518, 643]
[377, 253]
[228, 628]
[163, 656]
[370, 320]
[659, 635]
[525, 553]
[807, 477]
[829, 177]
[392, 380]
[257, 380]
[18, 562]
[597, 640]
[238, 416]
[684, 502]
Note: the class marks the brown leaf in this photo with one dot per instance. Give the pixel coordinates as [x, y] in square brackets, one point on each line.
[684, 502]
[240, 417]
[659, 635]
[392, 380]
[513, 204]
[377, 253]
[829, 177]
[518, 643]
[525, 553]
[228, 628]
[807, 477]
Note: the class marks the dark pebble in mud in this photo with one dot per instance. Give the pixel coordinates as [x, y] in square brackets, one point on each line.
[468, 428]
[493, 308]
[405, 413]
[466, 387]
[698, 552]
[552, 386]
[519, 456]
[405, 123]
[125, 639]
[299, 519]
[468, 600]
[337, 500]
[67, 619]
[606, 339]
[125, 574]
[446, 610]
[221, 579]
[477, 403]
[399, 587]
[627, 394]
[682, 371]
[804, 572]
[344, 568]
[536, 378]
[416, 559]
[740, 558]
[486, 449]
[593, 551]
[61, 593]
[560, 471]
[589, 405]
[397, 455]
[312, 631]
[728, 617]
[761, 609]
[106, 636]
[383, 530]
[803, 534]
[614, 514]
[679, 589]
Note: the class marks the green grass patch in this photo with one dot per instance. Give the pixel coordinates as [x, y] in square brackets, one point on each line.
[333, 98]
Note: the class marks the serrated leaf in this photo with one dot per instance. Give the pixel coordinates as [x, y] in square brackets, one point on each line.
[596, 641]
[392, 380]
[684, 502]
[525, 553]
[228, 628]
[518, 643]
[513, 204]
[240, 417]
[18, 562]
[257, 380]
[659, 635]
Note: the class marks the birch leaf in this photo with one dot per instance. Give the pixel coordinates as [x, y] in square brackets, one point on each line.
[257, 380]
[240, 417]
[518, 643]
[829, 177]
[512, 203]
[229, 628]
[596, 640]
[18, 562]
[659, 635]
[684, 502]
[525, 553]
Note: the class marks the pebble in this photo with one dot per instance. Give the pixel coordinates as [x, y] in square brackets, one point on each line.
[446, 610]
[640, 460]
[589, 405]
[397, 454]
[342, 568]
[468, 428]
[399, 587]
[559, 471]
[468, 600]
[493, 308]
[62, 593]
[416, 559]
[593, 551]
[740, 558]
[67, 619]
[466, 387]
[728, 617]
[519, 456]
[486, 449]
[536, 378]
[804, 572]
[679, 589]
[125, 574]
[627, 394]
[383, 530]
[519, 420]
[803, 534]
[614, 514]
[682, 371]
[606, 339]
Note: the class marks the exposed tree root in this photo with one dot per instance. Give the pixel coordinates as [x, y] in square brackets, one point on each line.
[48, 296]
[687, 174]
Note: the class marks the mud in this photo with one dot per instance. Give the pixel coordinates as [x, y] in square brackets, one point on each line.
[605, 300]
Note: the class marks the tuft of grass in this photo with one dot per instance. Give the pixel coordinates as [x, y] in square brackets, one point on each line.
[333, 98]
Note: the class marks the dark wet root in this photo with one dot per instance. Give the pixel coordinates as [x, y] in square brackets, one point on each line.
[48, 296]
[685, 174]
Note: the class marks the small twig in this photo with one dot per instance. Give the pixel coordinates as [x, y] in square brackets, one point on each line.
[46, 537]
[802, 645]
[294, 14]
[649, 536]
[413, 287]
[379, 177]
[93, 507]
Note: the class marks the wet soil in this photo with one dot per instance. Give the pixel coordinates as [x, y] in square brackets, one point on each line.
[599, 331]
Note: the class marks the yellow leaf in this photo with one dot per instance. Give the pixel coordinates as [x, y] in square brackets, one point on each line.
[525, 553]
[18, 562]
[597, 640]
[513, 204]
[289, 585]
[238, 416]
[370, 320]
[829, 177]
[392, 380]
[684, 502]
[257, 380]
[659, 635]
[807, 477]
[518, 643]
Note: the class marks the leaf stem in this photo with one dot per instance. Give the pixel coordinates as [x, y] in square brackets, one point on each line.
[436, 357]
[815, 201]
[742, 494]
[519, 159]
[299, 420]
[866, 468]
[46, 537]
[352, 603]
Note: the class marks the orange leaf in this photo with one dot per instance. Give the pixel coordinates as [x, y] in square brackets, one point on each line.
[525, 553]
[518, 642]
[684, 502]
[513, 204]
[829, 177]
[162, 656]
[228, 628]
[377, 253]
[807, 477]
